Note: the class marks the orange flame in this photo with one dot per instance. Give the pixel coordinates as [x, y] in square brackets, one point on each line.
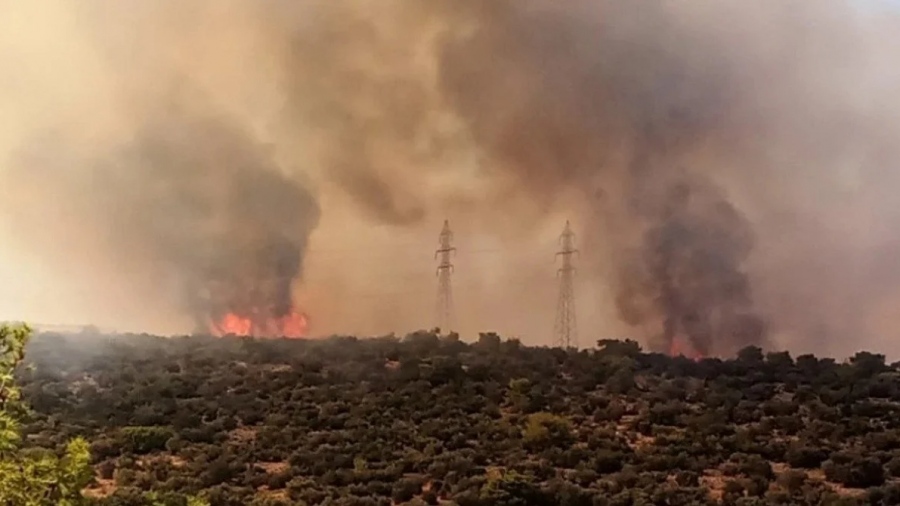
[233, 324]
[680, 347]
[292, 325]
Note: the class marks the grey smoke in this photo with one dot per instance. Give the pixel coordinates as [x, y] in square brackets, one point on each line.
[775, 118]
[761, 110]
[195, 198]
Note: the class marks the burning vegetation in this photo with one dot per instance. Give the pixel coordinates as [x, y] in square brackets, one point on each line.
[200, 205]
[243, 225]
[680, 347]
[293, 324]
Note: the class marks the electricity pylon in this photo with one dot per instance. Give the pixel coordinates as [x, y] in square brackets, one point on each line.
[444, 310]
[566, 327]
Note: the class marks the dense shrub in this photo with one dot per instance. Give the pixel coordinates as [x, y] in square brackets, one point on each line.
[432, 420]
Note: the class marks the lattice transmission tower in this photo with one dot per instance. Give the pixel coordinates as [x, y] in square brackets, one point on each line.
[566, 327]
[444, 316]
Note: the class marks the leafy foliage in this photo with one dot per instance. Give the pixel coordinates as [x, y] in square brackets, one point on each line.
[429, 419]
[33, 477]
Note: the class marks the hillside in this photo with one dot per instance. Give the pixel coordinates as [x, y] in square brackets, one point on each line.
[431, 420]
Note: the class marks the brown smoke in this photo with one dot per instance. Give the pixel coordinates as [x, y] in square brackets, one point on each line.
[729, 163]
[628, 102]
[190, 197]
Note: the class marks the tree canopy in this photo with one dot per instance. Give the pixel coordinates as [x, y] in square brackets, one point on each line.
[430, 419]
[31, 477]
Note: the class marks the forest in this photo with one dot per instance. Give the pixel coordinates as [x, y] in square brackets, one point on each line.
[429, 419]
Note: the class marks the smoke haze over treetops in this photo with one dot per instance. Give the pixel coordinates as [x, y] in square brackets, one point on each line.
[731, 165]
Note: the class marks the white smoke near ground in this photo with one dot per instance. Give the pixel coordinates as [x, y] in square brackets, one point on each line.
[730, 166]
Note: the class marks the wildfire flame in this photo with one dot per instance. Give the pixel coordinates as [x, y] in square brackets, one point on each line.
[681, 347]
[292, 325]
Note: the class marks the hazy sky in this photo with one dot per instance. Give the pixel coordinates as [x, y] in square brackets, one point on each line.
[791, 115]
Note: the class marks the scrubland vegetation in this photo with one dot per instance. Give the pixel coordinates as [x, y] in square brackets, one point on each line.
[428, 419]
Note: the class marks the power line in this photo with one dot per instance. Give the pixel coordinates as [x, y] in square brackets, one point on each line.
[390, 254]
[444, 272]
[410, 279]
[566, 328]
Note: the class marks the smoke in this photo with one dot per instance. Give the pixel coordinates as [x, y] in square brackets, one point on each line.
[241, 225]
[758, 125]
[192, 198]
[729, 164]
[688, 273]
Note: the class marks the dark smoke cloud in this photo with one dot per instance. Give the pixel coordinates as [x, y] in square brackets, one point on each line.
[605, 96]
[688, 273]
[745, 110]
[597, 75]
[241, 225]
[194, 198]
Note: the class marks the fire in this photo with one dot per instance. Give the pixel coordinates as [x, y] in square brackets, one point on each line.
[234, 324]
[681, 347]
[293, 325]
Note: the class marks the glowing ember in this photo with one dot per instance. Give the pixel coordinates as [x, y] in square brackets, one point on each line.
[294, 324]
[681, 347]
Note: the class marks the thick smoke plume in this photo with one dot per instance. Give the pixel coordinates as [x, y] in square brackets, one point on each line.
[707, 140]
[730, 163]
[227, 223]
[674, 121]
[688, 272]
[194, 199]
